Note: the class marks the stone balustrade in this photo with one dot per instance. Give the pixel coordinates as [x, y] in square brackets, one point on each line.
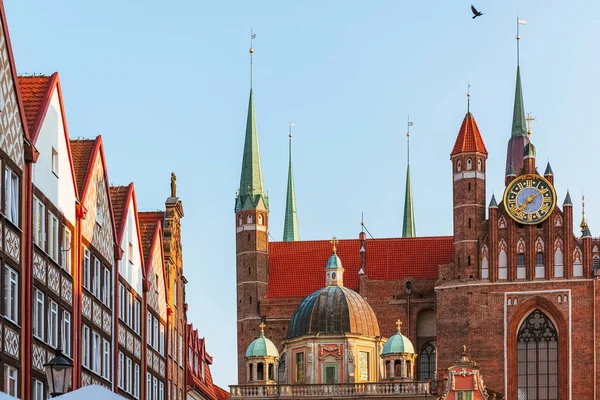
[345, 390]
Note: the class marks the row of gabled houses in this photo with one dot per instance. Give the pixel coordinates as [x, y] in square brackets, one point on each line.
[82, 269]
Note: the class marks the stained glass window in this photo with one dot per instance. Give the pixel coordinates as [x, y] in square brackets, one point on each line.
[537, 358]
[363, 366]
[427, 362]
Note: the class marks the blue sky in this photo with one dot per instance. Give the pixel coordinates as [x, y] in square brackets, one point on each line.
[166, 84]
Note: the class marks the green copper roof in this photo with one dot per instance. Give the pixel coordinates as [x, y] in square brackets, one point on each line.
[529, 150]
[408, 225]
[518, 125]
[548, 170]
[334, 262]
[586, 232]
[493, 202]
[567, 201]
[262, 347]
[291, 233]
[398, 344]
[251, 183]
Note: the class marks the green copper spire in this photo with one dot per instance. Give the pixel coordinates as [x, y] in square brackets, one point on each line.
[408, 224]
[518, 125]
[291, 232]
[251, 184]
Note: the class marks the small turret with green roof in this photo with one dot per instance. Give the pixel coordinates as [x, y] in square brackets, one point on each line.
[291, 233]
[398, 343]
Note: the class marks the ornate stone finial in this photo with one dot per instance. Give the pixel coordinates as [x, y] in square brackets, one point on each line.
[173, 185]
[399, 326]
[334, 242]
[583, 224]
[262, 328]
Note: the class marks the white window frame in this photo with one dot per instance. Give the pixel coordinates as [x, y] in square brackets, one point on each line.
[39, 223]
[53, 236]
[161, 339]
[180, 350]
[96, 353]
[11, 196]
[97, 282]
[137, 311]
[129, 306]
[86, 269]
[106, 287]
[161, 391]
[65, 249]
[85, 346]
[128, 375]
[155, 334]
[11, 297]
[66, 333]
[121, 370]
[55, 162]
[11, 380]
[136, 381]
[148, 385]
[53, 324]
[121, 302]
[39, 315]
[175, 350]
[106, 359]
[148, 331]
[154, 388]
[37, 392]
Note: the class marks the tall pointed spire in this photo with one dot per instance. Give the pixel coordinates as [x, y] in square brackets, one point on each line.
[291, 233]
[518, 137]
[251, 189]
[408, 225]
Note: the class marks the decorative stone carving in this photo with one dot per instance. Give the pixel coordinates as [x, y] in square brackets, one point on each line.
[13, 244]
[86, 305]
[11, 342]
[67, 289]
[106, 321]
[97, 314]
[122, 339]
[38, 357]
[39, 267]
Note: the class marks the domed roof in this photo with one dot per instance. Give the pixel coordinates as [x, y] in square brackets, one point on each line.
[262, 347]
[333, 309]
[398, 343]
[334, 262]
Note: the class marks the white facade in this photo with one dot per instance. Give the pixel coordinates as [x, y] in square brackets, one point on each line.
[130, 265]
[56, 182]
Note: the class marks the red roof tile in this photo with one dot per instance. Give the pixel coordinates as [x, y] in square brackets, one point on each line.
[34, 90]
[469, 139]
[297, 269]
[147, 221]
[81, 151]
[118, 198]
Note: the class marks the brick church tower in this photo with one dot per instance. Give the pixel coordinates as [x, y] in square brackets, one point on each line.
[468, 157]
[251, 219]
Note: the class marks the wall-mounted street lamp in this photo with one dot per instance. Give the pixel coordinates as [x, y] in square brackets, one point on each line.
[59, 373]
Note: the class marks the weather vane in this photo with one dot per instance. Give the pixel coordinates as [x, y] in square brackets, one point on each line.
[251, 51]
[409, 124]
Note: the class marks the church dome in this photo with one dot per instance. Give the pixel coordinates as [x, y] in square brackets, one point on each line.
[398, 344]
[262, 347]
[333, 309]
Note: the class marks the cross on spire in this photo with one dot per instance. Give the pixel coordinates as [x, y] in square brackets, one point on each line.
[528, 119]
[399, 326]
[334, 242]
[262, 328]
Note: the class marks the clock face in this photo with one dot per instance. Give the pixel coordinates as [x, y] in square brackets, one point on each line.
[529, 199]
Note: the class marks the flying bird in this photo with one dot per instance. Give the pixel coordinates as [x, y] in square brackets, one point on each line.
[475, 12]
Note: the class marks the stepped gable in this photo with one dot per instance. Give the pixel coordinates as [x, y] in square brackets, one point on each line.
[296, 268]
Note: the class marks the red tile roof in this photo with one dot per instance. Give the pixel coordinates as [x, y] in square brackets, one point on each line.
[118, 197]
[297, 269]
[81, 151]
[34, 91]
[147, 221]
[469, 139]
[206, 386]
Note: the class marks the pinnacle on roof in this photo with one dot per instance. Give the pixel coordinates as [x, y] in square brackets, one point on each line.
[408, 224]
[291, 232]
[529, 150]
[251, 183]
[510, 171]
[548, 170]
[586, 232]
[568, 201]
[493, 203]
[469, 139]
[518, 124]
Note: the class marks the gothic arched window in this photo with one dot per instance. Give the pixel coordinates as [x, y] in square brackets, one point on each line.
[469, 164]
[458, 166]
[478, 165]
[537, 358]
[427, 362]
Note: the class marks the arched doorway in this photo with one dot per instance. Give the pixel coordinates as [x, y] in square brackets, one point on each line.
[537, 358]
